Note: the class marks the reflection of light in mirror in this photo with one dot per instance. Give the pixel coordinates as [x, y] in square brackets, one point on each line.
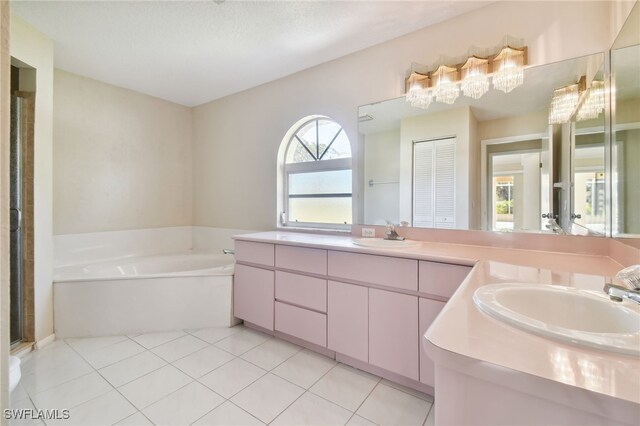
[593, 104]
[564, 103]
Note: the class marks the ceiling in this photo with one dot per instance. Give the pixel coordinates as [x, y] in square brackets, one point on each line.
[192, 52]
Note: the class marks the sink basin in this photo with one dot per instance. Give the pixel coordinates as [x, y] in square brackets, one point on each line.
[564, 313]
[382, 243]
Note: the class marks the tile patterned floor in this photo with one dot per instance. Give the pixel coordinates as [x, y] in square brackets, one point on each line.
[225, 376]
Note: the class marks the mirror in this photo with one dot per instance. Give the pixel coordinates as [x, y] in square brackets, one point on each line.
[625, 135]
[494, 163]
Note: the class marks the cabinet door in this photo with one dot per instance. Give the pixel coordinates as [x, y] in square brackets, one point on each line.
[348, 320]
[253, 295]
[429, 310]
[393, 332]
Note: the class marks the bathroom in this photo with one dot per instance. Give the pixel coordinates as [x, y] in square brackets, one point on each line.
[146, 152]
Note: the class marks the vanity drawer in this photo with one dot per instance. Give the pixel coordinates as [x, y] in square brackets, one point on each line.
[302, 259]
[302, 323]
[441, 279]
[258, 253]
[382, 270]
[302, 290]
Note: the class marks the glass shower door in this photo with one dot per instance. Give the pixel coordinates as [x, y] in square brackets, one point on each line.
[15, 205]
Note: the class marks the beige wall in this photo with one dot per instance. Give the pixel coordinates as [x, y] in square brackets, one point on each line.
[534, 123]
[236, 138]
[35, 50]
[122, 160]
[5, 61]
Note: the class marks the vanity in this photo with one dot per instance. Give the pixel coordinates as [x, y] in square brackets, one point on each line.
[367, 307]
[407, 314]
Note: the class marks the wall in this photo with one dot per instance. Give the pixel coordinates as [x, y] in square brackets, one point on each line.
[122, 160]
[381, 164]
[236, 138]
[527, 124]
[5, 106]
[35, 50]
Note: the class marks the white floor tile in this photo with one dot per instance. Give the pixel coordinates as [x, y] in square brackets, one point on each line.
[232, 377]
[389, 406]
[356, 420]
[184, 406]
[310, 409]
[228, 414]
[213, 335]
[43, 379]
[72, 393]
[203, 361]
[103, 410]
[241, 342]
[137, 419]
[431, 417]
[179, 348]
[271, 353]
[304, 368]
[113, 353]
[18, 394]
[151, 340]
[84, 345]
[408, 390]
[129, 369]
[22, 419]
[267, 397]
[57, 353]
[345, 386]
[154, 386]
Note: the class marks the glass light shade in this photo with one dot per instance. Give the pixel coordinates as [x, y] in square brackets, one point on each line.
[445, 89]
[508, 69]
[418, 93]
[563, 104]
[593, 104]
[475, 79]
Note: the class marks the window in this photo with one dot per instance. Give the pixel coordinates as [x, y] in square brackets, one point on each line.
[317, 178]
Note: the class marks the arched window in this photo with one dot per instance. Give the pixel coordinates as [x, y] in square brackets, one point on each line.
[316, 175]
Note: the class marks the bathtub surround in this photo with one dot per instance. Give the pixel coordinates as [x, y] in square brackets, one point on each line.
[122, 160]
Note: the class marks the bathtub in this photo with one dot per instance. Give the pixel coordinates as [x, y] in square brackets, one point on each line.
[143, 294]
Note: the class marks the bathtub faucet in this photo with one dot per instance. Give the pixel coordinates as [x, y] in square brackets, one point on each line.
[228, 251]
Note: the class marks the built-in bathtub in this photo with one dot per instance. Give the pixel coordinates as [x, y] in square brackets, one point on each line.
[143, 294]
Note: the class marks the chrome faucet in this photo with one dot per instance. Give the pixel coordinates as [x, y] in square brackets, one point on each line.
[391, 233]
[630, 277]
[553, 226]
[228, 251]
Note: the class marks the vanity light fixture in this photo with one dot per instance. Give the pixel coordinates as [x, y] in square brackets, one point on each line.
[475, 75]
[505, 67]
[508, 65]
[593, 104]
[565, 101]
[445, 89]
[417, 88]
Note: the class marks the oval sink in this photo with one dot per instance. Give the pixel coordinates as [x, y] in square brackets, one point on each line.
[564, 313]
[382, 243]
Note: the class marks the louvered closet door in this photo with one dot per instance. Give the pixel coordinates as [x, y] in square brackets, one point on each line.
[434, 183]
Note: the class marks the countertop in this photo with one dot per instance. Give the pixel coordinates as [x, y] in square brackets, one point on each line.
[462, 329]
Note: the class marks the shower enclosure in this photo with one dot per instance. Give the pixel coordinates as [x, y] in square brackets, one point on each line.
[15, 204]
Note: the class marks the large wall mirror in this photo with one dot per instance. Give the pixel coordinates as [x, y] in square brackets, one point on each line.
[495, 163]
[625, 134]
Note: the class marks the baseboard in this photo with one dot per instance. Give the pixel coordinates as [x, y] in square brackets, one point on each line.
[44, 342]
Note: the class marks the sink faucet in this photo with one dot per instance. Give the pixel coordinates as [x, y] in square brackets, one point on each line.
[554, 227]
[630, 277]
[391, 233]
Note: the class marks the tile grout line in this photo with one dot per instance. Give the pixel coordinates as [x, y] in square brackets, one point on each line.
[365, 399]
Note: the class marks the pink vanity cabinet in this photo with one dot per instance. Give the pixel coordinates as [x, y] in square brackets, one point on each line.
[370, 310]
[253, 283]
